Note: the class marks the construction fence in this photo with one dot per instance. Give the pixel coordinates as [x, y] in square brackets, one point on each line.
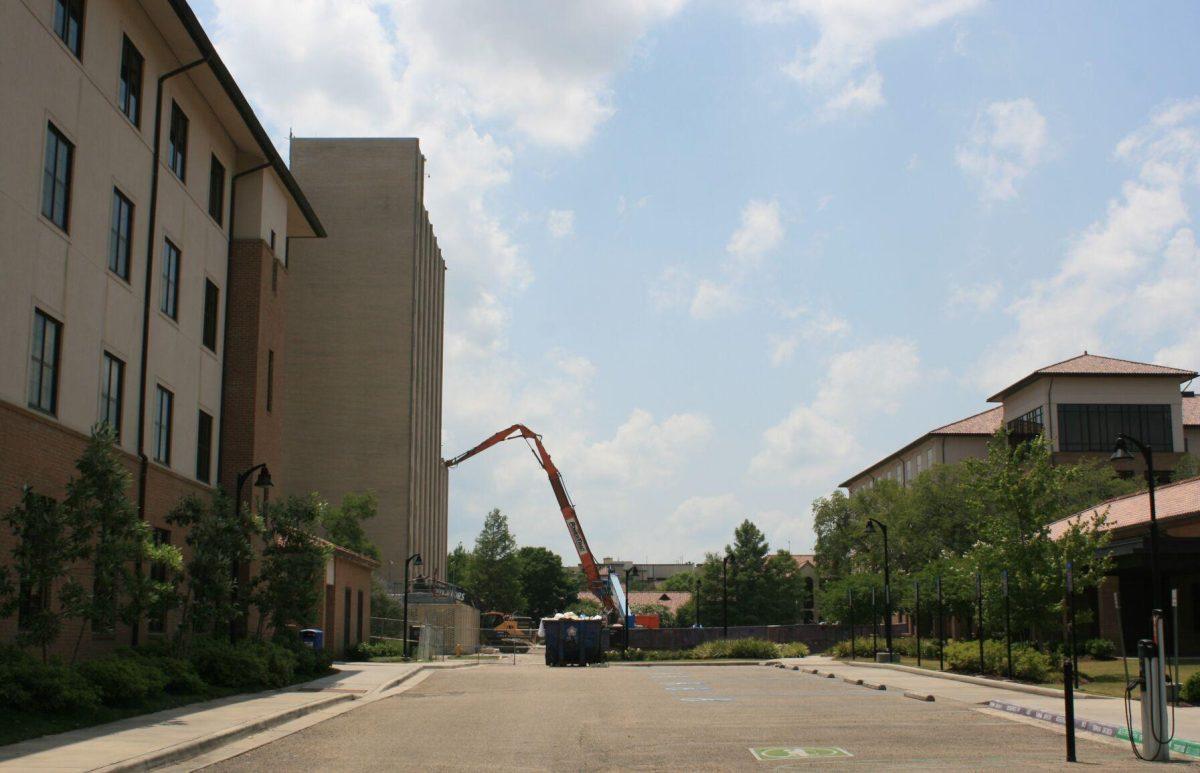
[435, 630]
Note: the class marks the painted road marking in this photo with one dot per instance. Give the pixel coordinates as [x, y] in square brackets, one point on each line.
[770, 753]
[697, 688]
[705, 700]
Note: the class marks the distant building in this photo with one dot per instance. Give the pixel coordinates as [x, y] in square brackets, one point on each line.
[646, 573]
[812, 584]
[1080, 405]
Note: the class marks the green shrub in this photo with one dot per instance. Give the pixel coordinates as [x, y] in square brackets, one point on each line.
[794, 649]
[1100, 649]
[387, 648]
[124, 680]
[247, 665]
[862, 648]
[1191, 689]
[27, 684]
[1028, 664]
[750, 649]
[311, 662]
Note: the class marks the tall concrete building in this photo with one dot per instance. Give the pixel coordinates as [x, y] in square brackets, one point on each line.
[364, 346]
[117, 266]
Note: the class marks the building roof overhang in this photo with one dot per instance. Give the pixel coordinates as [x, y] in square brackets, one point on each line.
[1094, 365]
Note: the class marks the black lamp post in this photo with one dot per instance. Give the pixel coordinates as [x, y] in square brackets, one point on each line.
[264, 483]
[887, 584]
[630, 572]
[415, 558]
[697, 601]
[725, 595]
[1121, 453]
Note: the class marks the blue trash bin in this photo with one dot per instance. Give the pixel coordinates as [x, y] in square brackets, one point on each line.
[313, 637]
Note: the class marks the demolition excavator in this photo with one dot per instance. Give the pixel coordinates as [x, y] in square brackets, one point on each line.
[606, 588]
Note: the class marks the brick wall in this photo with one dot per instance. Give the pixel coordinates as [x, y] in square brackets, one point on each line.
[350, 572]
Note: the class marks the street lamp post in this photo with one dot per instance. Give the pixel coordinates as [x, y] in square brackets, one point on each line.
[415, 558]
[697, 623]
[263, 482]
[887, 586]
[725, 595]
[1121, 453]
[630, 572]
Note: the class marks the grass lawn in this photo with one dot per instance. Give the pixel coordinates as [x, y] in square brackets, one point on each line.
[1101, 677]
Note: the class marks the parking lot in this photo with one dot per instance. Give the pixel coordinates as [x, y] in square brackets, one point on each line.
[529, 717]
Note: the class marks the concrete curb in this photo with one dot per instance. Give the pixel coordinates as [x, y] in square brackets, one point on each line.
[873, 686]
[848, 680]
[1047, 692]
[405, 677]
[919, 696]
[1178, 745]
[652, 663]
[196, 746]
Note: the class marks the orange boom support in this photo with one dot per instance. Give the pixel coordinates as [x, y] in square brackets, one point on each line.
[595, 582]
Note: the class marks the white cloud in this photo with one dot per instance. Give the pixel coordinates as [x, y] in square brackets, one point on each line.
[1007, 142]
[815, 327]
[840, 67]
[714, 299]
[977, 298]
[760, 232]
[817, 440]
[1141, 251]
[560, 223]
[672, 289]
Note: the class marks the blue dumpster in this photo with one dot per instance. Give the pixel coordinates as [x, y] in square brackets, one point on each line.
[573, 642]
[313, 637]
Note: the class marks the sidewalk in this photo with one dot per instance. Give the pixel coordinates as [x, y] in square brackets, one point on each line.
[1100, 711]
[150, 740]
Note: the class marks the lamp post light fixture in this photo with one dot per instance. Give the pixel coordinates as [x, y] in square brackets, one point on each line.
[725, 595]
[1121, 453]
[264, 483]
[887, 587]
[630, 572]
[414, 559]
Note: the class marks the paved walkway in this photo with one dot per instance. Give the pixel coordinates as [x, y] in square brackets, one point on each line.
[176, 734]
[1095, 708]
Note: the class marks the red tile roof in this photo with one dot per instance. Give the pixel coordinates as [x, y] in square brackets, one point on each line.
[1191, 411]
[1095, 365]
[804, 558]
[1175, 500]
[982, 424]
[673, 601]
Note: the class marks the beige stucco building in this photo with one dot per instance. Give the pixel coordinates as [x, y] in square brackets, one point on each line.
[364, 343]
[1080, 405]
[117, 270]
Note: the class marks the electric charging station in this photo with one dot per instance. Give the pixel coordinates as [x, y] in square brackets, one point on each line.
[1152, 691]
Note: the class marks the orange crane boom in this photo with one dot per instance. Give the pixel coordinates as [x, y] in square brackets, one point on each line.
[595, 581]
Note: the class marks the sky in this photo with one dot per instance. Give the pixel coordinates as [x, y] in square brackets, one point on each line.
[723, 255]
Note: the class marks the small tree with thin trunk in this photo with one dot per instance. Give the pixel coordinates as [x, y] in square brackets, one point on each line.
[288, 586]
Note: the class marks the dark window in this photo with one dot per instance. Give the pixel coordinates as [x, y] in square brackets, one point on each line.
[272, 240]
[346, 621]
[359, 622]
[170, 280]
[129, 93]
[212, 297]
[177, 147]
[112, 391]
[1026, 426]
[1083, 427]
[157, 621]
[204, 431]
[68, 23]
[43, 363]
[164, 412]
[216, 191]
[120, 235]
[56, 177]
[274, 277]
[270, 379]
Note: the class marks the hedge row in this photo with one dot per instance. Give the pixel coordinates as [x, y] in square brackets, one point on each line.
[747, 649]
[130, 677]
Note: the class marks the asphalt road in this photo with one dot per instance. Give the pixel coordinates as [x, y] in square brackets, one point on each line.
[529, 717]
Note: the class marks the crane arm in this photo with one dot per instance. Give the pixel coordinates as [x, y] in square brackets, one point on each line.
[590, 568]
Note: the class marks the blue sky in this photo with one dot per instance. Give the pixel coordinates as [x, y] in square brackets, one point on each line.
[723, 255]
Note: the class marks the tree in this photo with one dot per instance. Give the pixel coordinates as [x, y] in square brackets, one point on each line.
[458, 566]
[495, 571]
[680, 581]
[121, 544]
[665, 618]
[546, 585]
[344, 525]
[289, 585]
[219, 539]
[43, 551]
[1188, 466]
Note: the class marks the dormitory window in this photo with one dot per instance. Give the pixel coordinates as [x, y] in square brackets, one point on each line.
[274, 277]
[212, 298]
[177, 148]
[164, 410]
[112, 388]
[272, 240]
[43, 363]
[270, 379]
[1085, 427]
[129, 94]
[68, 23]
[216, 190]
[120, 245]
[204, 431]
[170, 280]
[157, 620]
[56, 177]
